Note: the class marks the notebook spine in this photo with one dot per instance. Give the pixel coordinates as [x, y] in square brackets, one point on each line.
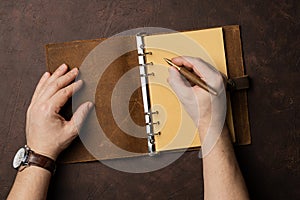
[144, 74]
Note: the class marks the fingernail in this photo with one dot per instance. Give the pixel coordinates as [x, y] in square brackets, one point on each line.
[74, 70]
[79, 83]
[63, 66]
[90, 105]
[45, 74]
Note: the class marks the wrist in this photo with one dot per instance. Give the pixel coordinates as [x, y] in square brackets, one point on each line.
[43, 151]
[27, 157]
[214, 131]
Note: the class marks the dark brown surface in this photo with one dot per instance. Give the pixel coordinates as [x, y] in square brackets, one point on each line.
[270, 37]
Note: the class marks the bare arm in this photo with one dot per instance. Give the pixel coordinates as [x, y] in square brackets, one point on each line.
[221, 173]
[32, 183]
[48, 133]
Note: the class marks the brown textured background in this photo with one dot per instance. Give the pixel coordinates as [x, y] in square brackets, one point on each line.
[270, 36]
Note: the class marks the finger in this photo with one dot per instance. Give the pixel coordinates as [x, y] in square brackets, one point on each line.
[40, 85]
[61, 97]
[76, 122]
[206, 71]
[182, 61]
[200, 67]
[59, 83]
[61, 70]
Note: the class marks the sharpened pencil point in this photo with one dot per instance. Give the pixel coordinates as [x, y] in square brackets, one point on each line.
[172, 64]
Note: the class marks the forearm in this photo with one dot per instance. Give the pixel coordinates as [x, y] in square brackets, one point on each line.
[31, 183]
[221, 173]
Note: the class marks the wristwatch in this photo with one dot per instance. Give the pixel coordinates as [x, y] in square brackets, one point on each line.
[25, 157]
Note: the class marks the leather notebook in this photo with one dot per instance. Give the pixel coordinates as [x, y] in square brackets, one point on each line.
[136, 112]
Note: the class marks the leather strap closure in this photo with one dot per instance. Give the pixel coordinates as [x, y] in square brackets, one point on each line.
[238, 83]
[41, 161]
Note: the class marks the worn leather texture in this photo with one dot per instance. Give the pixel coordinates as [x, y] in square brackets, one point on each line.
[41, 161]
[235, 67]
[64, 53]
[74, 53]
[238, 83]
[270, 37]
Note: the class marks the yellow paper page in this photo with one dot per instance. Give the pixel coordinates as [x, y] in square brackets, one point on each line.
[177, 128]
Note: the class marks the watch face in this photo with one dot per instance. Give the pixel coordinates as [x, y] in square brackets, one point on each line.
[19, 158]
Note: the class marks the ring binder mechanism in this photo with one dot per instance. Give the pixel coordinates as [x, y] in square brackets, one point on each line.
[145, 93]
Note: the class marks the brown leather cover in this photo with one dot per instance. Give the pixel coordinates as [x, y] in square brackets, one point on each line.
[235, 67]
[74, 53]
[41, 161]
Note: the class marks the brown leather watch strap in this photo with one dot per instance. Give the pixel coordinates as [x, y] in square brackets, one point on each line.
[41, 161]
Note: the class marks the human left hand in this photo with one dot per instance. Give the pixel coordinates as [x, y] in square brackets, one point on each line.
[47, 132]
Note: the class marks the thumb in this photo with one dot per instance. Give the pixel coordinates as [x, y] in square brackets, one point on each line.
[79, 116]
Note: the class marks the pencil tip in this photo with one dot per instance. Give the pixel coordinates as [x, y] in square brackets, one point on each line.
[168, 61]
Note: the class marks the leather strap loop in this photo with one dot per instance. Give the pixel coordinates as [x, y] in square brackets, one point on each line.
[238, 83]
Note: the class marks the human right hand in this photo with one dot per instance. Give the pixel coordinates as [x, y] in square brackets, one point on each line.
[207, 111]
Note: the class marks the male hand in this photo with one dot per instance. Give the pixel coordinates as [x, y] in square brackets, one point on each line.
[47, 132]
[208, 111]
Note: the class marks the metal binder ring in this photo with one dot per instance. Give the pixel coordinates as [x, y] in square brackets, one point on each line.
[145, 53]
[142, 46]
[145, 65]
[150, 74]
[151, 141]
[151, 113]
[141, 34]
[152, 123]
[153, 134]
